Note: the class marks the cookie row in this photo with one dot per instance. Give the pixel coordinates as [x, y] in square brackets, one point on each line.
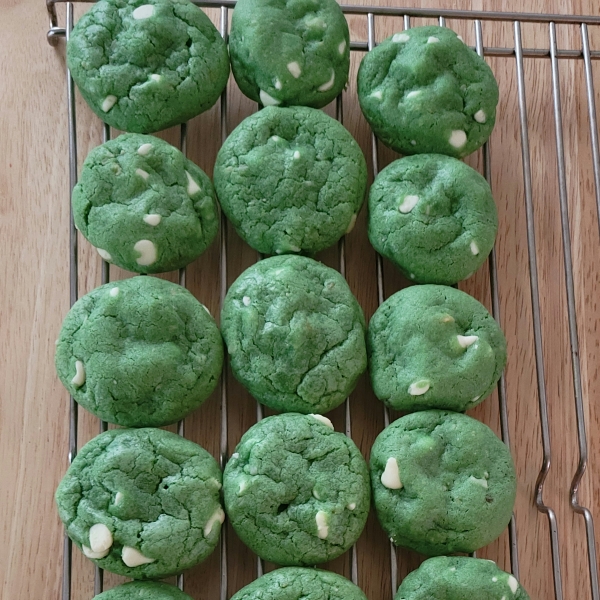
[145, 67]
[145, 502]
[451, 578]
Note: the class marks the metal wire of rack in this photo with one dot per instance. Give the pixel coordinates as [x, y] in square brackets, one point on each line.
[518, 52]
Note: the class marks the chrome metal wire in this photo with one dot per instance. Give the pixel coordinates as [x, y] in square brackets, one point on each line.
[554, 54]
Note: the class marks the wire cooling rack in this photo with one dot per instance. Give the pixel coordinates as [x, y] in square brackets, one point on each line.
[586, 563]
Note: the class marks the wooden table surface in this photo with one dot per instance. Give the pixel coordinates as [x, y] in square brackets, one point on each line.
[34, 187]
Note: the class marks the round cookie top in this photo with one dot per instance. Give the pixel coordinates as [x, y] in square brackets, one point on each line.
[433, 216]
[460, 578]
[424, 90]
[296, 583]
[143, 590]
[296, 492]
[290, 52]
[139, 352]
[290, 180]
[442, 482]
[143, 503]
[295, 334]
[145, 65]
[143, 205]
[433, 346]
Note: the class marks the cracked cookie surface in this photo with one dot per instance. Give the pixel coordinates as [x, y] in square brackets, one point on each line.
[296, 583]
[145, 65]
[143, 590]
[296, 492]
[433, 346]
[143, 503]
[442, 482]
[423, 90]
[295, 334]
[433, 216]
[290, 52]
[290, 180]
[139, 352]
[460, 578]
[143, 205]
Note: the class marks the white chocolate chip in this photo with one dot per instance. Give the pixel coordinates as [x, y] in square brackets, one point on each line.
[476, 398]
[147, 251]
[323, 420]
[390, 477]
[246, 300]
[215, 483]
[503, 598]
[118, 497]
[275, 138]
[144, 149]
[235, 455]
[474, 248]
[411, 275]
[482, 482]
[494, 579]
[322, 527]
[464, 341]
[352, 506]
[458, 138]
[460, 38]
[296, 155]
[206, 309]
[243, 486]
[101, 538]
[192, 186]
[108, 103]
[398, 38]
[316, 494]
[413, 94]
[513, 584]
[479, 116]
[413, 142]
[114, 292]
[79, 378]
[432, 40]
[277, 84]
[418, 388]
[143, 174]
[408, 203]
[134, 558]
[351, 224]
[253, 470]
[342, 47]
[91, 554]
[447, 319]
[328, 84]
[452, 569]
[294, 69]
[152, 219]
[267, 100]
[143, 12]
[217, 516]
[378, 94]
[155, 77]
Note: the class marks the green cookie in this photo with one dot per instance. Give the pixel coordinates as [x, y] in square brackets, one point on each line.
[460, 578]
[295, 334]
[297, 492]
[139, 352]
[433, 216]
[144, 65]
[143, 205]
[290, 52]
[143, 590]
[433, 346]
[295, 583]
[424, 90]
[290, 180]
[442, 482]
[143, 503]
